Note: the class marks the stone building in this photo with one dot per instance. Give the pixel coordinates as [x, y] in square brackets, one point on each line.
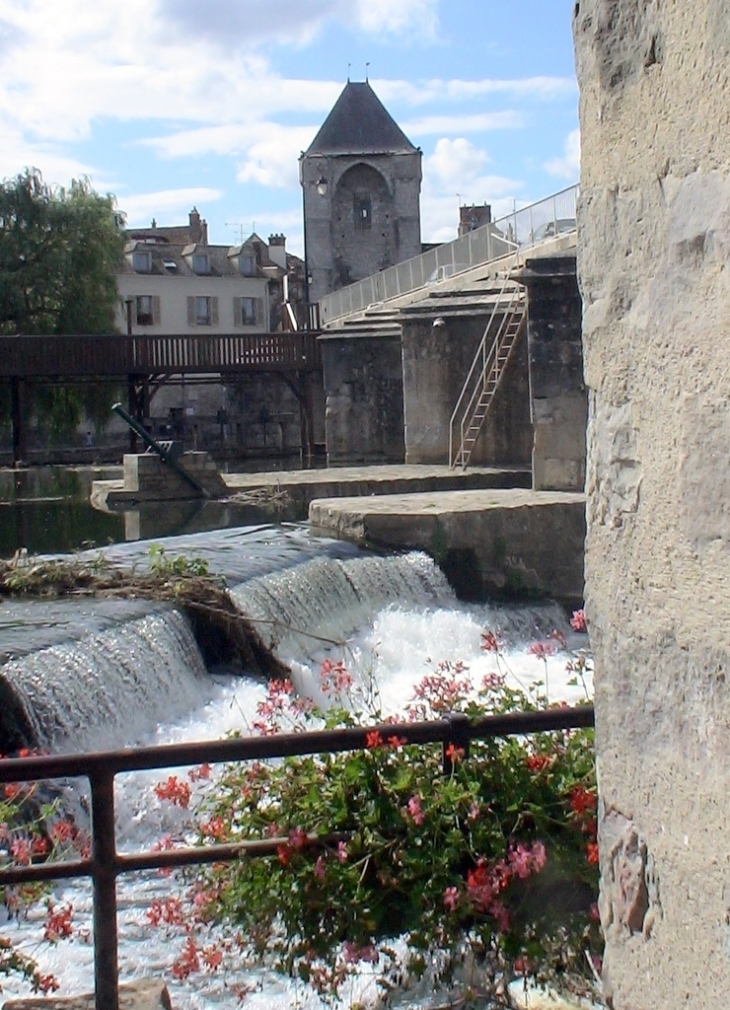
[361, 178]
[654, 242]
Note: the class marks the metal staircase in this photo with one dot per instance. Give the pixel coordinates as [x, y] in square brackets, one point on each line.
[504, 329]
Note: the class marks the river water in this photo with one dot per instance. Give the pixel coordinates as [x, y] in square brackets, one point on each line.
[87, 675]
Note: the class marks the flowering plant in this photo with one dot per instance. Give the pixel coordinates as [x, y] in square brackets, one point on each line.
[34, 829]
[489, 857]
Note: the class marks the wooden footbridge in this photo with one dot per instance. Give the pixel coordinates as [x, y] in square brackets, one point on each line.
[144, 361]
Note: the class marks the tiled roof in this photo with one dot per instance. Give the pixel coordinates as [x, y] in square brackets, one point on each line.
[359, 123]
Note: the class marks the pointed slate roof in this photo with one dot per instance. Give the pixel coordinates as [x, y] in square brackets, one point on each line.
[359, 123]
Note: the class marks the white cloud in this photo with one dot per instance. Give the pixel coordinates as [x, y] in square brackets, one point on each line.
[476, 123]
[567, 167]
[395, 16]
[272, 160]
[244, 23]
[453, 175]
[535, 88]
[172, 203]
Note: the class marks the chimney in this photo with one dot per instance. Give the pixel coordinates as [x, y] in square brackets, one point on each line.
[277, 250]
[198, 228]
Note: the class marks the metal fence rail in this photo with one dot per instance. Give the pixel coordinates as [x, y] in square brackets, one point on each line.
[105, 864]
[523, 229]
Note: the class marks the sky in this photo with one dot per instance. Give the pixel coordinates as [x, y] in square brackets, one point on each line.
[169, 104]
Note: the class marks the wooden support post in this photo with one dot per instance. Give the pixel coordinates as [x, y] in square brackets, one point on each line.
[19, 420]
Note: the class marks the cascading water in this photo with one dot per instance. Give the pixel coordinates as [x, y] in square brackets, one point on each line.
[142, 678]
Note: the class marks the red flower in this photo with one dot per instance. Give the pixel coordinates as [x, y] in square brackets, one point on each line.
[592, 853]
[396, 742]
[58, 923]
[175, 791]
[454, 753]
[582, 800]
[537, 762]
[373, 739]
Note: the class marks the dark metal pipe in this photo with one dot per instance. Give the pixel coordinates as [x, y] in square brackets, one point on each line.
[164, 455]
[104, 874]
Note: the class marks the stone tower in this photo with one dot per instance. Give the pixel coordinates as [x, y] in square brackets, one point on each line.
[362, 179]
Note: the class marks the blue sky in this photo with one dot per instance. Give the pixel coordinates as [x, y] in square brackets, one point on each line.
[171, 103]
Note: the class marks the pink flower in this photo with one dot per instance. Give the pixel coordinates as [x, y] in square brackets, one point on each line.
[297, 838]
[319, 868]
[451, 898]
[539, 856]
[578, 621]
[342, 854]
[489, 642]
[541, 650]
[414, 809]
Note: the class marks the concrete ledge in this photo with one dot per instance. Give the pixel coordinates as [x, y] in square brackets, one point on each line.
[145, 994]
[510, 542]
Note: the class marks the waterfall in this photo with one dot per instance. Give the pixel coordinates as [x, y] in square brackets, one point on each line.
[105, 689]
[327, 598]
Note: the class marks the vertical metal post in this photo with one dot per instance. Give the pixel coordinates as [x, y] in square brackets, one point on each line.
[103, 852]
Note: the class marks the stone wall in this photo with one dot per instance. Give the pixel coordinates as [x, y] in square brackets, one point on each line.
[340, 251]
[438, 350]
[363, 388]
[558, 400]
[654, 241]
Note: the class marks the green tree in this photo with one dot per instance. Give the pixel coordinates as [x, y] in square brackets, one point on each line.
[59, 250]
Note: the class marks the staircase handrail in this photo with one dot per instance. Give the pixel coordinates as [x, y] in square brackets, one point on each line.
[486, 359]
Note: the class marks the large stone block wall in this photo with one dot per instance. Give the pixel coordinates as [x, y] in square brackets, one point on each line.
[654, 244]
[436, 361]
[558, 400]
[363, 389]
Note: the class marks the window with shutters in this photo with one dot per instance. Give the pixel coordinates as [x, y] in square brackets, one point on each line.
[248, 311]
[145, 310]
[202, 310]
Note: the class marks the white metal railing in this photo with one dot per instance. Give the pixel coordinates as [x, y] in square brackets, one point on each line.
[524, 228]
[486, 370]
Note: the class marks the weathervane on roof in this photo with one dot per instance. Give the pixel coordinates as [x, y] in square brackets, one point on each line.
[367, 78]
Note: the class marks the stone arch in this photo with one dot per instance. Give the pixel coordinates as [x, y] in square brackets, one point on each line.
[364, 225]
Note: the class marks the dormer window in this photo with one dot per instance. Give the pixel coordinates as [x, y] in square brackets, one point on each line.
[246, 264]
[201, 263]
[141, 261]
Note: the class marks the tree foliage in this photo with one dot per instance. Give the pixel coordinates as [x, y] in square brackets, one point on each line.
[59, 249]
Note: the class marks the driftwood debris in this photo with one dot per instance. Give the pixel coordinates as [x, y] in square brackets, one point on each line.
[223, 632]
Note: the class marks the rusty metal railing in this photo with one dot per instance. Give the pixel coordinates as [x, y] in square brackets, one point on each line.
[105, 864]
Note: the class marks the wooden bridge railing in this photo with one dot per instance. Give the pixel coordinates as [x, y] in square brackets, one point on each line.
[38, 356]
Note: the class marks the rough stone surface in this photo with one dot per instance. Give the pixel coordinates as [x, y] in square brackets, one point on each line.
[654, 241]
[503, 542]
[146, 994]
[436, 361]
[558, 399]
[363, 388]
